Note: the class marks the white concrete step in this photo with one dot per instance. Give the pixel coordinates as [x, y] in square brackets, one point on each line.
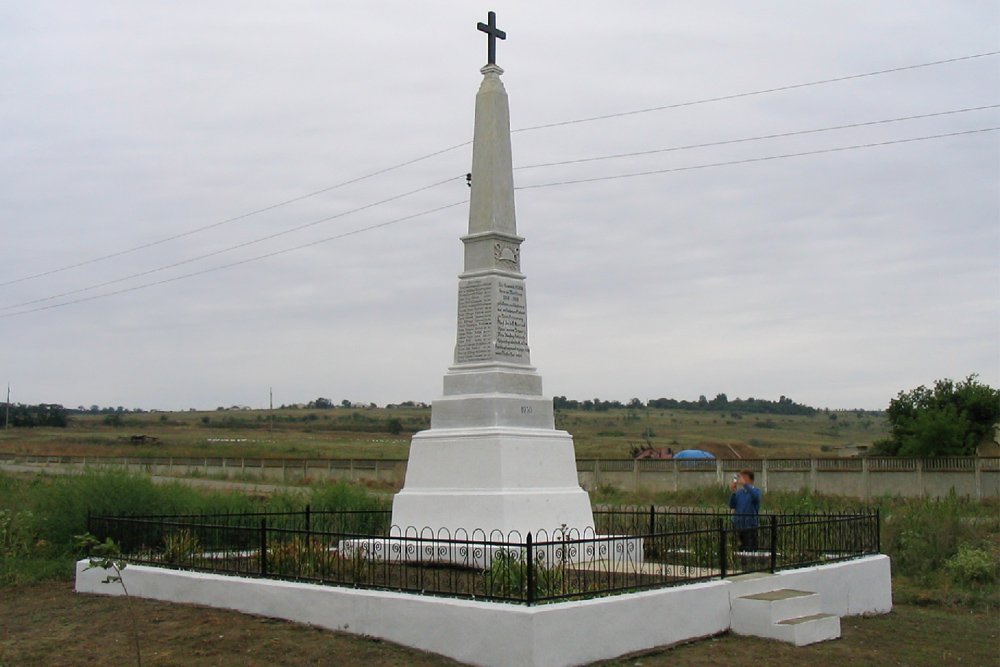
[785, 614]
[812, 629]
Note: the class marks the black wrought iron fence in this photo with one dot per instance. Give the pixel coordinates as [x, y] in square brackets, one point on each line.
[633, 549]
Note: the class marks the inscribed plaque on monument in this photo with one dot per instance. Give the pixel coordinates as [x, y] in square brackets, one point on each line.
[512, 320]
[475, 322]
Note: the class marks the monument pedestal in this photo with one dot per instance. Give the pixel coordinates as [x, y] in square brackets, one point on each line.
[495, 479]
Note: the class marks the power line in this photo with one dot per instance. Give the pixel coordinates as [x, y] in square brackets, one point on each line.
[756, 159]
[755, 92]
[326, 219]
[238, 263]
[466, 143]
[213, 225]
[758, 138]
[230, 248]
[452, 205]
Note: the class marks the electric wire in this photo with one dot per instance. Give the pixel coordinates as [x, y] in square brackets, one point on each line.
[755, 159]
[757, 138]
[213, 225]
[326, 219]
[238, 263]
[230, 248]
[466, 143]
[452, 205]
[755, 92]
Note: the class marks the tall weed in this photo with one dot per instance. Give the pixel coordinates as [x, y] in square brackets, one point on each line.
[62, 509]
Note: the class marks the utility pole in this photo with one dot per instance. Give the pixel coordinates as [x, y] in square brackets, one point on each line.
[6, 420]
[270, 393]
[649, 426]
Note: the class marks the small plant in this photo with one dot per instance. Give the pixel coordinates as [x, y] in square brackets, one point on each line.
[107, 556]
[180, 546]
[972, 566]
[507, 575]
[15, 539]
[302, 558]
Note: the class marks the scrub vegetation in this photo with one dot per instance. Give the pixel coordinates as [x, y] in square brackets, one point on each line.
[945, 557]
[384, 433]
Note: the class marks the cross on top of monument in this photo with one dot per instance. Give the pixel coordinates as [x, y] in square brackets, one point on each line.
[490, 28]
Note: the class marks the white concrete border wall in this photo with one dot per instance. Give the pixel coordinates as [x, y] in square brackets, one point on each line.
[506, 635]
[864, 478]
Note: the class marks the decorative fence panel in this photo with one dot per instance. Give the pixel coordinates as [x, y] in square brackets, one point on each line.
[634, 549]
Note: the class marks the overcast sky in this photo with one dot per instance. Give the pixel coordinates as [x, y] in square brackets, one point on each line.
[836, 279]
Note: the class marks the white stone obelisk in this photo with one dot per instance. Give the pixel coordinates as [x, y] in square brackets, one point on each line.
[492, 459]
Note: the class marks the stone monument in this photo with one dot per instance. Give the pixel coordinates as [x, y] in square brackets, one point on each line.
[492, 459]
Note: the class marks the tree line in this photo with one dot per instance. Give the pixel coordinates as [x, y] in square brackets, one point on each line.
[27, 416]
[721, 403]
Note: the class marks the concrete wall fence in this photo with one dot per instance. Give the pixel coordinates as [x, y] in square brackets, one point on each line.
[973, 477]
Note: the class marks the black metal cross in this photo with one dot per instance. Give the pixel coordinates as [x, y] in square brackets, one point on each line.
[490, 29]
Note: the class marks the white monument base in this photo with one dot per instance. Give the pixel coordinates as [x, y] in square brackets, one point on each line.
[491, 634]
[501, 480]
[602, 554]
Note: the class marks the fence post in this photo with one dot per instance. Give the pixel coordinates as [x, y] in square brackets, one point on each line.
[307, 522]
[531, 572]
[774, 542]
[878, 530]
[263, 547]
[722, 549]
[652, 519]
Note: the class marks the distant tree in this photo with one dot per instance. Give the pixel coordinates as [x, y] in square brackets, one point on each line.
[720, 402]
[949, 420]
[345, 403]
[31, 416]
[394, 426]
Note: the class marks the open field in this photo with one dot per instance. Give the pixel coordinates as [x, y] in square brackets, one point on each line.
[49, 624]
[364, 433]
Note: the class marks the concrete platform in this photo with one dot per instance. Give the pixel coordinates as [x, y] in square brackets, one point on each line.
[507, 635]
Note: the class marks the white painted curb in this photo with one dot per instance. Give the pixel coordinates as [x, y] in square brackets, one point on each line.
[492, 634]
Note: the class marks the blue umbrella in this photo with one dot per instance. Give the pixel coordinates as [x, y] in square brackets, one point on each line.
[693, 454]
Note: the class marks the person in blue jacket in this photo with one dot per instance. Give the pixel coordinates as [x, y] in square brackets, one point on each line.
[746, 501]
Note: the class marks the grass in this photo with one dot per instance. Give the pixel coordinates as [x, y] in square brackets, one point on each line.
[361, 433]
[945, 558]
[39, 516]
[944, 552]
[912, 636]
[47, 624]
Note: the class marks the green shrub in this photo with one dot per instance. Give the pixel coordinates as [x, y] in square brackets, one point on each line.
[62, 509]
[343, 496]
[972, 566]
